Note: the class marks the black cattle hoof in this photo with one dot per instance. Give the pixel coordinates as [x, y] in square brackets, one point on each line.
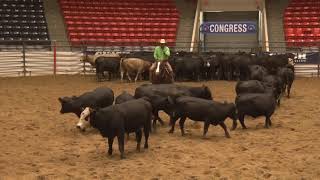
[205, 137]
[146, 146]
[170, 132]
[122, 157]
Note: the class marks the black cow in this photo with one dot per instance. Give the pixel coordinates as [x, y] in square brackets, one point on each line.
[123, 97]
[211, 66]
[287, 76]
[276, 82]
[257, 72]
[98, 98]
[273, 62]
[226, 67]
[255, 105]
[156, 91]
[115, 121]
[254, 86]
[240, 64]
[207, 111]
[187, 65]
[109, 64]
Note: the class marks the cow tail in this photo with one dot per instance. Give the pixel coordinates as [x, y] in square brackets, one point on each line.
[122, 68]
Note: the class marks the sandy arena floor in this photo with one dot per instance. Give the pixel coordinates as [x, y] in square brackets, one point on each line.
[38, 142]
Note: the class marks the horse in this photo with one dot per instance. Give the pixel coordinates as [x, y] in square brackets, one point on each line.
[161, 75]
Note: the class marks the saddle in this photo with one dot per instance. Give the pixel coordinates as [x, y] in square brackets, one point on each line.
[161, 75]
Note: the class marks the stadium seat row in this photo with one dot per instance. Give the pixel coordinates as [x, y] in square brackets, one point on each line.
[118, 42]
[122, 19]
[117, 9]
[123, 35]
[302, 19]
[302, 23]
[120, 4]
[72, 29]
[121, 14]
[121, 24]
[23, 20]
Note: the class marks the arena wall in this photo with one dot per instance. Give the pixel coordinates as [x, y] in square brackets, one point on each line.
[12, 64]
[230, 5]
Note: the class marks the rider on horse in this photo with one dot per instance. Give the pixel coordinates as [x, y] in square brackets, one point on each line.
[161, 53]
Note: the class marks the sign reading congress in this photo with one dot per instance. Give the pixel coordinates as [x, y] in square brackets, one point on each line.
[229, 27]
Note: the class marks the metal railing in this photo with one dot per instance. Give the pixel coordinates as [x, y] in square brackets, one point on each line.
[52, 58]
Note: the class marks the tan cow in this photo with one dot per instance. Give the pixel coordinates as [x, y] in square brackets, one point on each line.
[133, 65]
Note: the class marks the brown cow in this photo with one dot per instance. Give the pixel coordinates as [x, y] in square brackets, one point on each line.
[133, 65]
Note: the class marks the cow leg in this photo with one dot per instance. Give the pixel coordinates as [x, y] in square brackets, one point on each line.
[279, 99]
[289, 89]
[146, 135]
[110, 142]
[156, 115]
[267, 122]
[109, 76]
[270, 124]
[128, 75]
[205, 128]
[223, 125]
[155, 119]
[138, 137]
[234, 125]
[181, 123]
[241, 119]
[137, 76]
[121, 144]
[121, 74]
[173, 123]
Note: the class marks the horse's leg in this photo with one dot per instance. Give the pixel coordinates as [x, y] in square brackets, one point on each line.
[135, 80]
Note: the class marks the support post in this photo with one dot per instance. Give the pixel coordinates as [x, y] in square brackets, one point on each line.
[54, 58]
[24, 59]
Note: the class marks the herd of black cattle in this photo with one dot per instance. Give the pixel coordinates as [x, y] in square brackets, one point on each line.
[258, 94]
[194, 66]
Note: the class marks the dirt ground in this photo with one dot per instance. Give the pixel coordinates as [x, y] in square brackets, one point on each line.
[39, 142]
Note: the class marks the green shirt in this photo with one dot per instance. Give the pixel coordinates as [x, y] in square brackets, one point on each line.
[161, 54]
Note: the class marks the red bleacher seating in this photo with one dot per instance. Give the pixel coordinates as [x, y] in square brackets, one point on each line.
[302, 23]
[127, 23]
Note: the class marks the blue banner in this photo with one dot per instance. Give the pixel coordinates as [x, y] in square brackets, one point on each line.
[239, 27]
[307, 58]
